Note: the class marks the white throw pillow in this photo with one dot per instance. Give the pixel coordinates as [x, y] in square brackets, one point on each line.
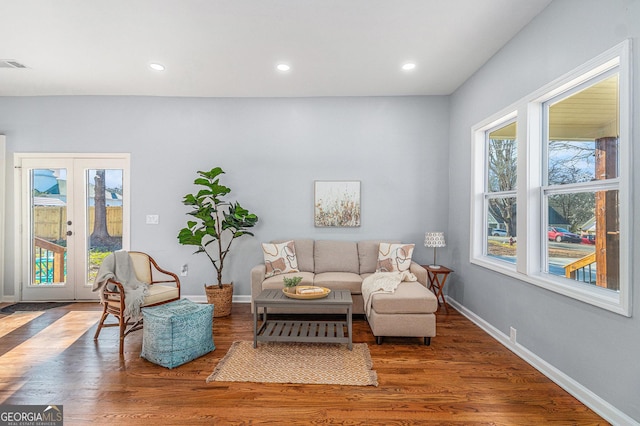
[394, 257]
[279, 258]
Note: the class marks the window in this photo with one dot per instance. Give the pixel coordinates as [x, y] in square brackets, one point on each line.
[568, 180]
[581, 187]
[500, 193]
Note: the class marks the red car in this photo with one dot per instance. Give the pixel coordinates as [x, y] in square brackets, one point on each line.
[589, 239]
[562, 235]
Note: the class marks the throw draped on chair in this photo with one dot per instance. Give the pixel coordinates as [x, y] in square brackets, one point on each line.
[127, 282]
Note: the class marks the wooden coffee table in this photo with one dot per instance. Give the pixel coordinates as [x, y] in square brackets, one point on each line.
[316, 331]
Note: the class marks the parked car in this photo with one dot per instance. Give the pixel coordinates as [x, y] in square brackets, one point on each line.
[498, 233]
[588, 239]
[562, 235]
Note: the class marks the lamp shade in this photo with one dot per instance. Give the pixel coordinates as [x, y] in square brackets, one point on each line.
[434, 239]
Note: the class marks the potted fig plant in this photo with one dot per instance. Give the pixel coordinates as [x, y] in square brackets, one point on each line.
[215, 223]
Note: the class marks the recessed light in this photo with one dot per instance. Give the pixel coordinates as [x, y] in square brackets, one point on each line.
[408, 66]
[283, 67]
[156, 67]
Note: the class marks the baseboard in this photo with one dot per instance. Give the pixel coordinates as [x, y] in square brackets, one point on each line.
[194, 298]
[580, 392]
[203, 299]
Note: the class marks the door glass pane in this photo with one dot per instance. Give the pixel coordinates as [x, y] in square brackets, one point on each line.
[48, 226]
[583, 237]
[104, 216]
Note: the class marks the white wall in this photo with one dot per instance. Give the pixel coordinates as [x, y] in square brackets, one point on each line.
[414, 172]
[596, 348]
[3, 164]
[271, 149]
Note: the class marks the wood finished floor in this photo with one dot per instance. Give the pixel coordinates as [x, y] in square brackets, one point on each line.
[464, 377]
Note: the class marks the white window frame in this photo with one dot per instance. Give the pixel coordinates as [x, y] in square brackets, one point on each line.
[479, 197]
[487, 194]
[19, 210]
[3, 162]
[530, 263]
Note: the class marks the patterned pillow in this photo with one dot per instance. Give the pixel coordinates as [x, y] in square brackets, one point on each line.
[394, 257]
[279, 258]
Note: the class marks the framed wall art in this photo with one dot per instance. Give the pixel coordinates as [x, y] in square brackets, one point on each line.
[336, 203]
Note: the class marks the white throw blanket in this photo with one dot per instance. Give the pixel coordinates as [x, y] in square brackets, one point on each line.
[119, 267]
[382, 282]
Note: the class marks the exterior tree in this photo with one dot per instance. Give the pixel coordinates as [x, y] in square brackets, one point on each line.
[100, 235]
[569, 162]
[572, 162]
[502, 177]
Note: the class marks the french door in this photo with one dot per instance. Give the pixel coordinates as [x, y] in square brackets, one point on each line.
[74, 212]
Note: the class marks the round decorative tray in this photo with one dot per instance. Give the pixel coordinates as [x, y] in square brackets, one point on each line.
[300, 294]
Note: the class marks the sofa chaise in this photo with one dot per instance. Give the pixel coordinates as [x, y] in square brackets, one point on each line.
[409, 311]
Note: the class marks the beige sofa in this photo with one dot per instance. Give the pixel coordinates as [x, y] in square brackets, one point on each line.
[343, 265]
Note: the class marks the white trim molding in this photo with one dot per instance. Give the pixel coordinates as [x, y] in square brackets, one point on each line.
[531, 262]
[602, 407]
[203, 299]
[3, 188]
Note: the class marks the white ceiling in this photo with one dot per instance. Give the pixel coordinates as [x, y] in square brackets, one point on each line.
[229, 48]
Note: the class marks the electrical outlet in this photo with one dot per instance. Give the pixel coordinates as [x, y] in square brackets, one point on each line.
[184, 271]
[152, 219]
[512, 334]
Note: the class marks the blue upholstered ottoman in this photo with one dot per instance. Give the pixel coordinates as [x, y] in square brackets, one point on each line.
[177, 332]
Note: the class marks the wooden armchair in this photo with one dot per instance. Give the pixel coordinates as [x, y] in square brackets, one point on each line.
[164, 287]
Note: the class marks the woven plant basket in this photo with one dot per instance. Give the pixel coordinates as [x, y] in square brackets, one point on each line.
[220, 298]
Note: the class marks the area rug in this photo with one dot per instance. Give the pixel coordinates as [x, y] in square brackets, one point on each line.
[306, 363]
[37, 306]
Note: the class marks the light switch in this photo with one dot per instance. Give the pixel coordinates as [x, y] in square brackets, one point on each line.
[152, 219]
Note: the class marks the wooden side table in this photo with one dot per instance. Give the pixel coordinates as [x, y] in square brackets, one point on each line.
[437, 279]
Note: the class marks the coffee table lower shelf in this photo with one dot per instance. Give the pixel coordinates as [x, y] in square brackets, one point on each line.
[304, 331]
[310, 331]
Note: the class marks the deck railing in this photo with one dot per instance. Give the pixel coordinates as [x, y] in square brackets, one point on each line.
[582, 269]
[49, 262]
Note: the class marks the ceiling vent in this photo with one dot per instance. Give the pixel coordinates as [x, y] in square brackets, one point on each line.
[10, 63]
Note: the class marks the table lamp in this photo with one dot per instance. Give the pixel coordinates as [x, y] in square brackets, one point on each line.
[434, 239]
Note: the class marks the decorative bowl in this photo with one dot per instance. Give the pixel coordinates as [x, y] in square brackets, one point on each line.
[308, 292]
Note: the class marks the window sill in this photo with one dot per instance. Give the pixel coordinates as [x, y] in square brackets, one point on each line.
[593, 295]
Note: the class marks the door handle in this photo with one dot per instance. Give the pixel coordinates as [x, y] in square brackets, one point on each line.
[69, 233]
[69, 222]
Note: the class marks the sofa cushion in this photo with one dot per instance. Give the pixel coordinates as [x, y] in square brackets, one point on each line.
[277, 281]
[279, 258]
[409, 298]
[368, 255]
[160, 293]
[394, 257]
[304, 253]
[339, 281]
[363, 276]
[336, 256]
